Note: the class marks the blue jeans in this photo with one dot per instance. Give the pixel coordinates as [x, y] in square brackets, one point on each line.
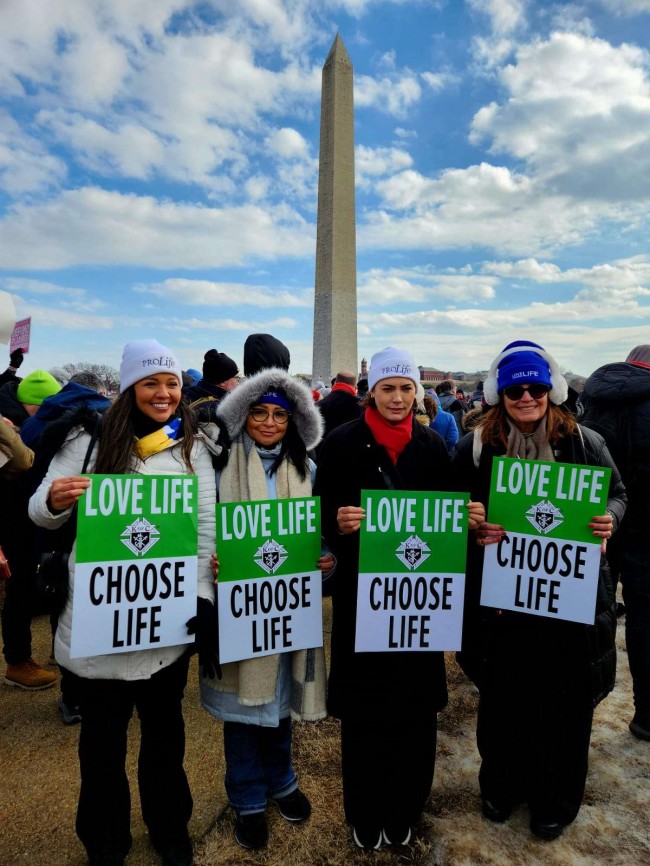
[258, 764]
[635, 578]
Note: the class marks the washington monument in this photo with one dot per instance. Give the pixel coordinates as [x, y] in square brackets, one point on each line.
[335, 303]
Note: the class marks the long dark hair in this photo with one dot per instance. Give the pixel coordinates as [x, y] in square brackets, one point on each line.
[118, 435]
[293, 449]
[495, 424]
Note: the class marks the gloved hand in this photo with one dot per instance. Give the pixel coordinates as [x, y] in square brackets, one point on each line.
[16, 358]
[205, 628]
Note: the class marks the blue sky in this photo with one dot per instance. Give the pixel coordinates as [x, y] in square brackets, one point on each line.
[159, 167]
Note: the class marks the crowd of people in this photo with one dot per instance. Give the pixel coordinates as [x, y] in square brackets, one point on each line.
[265, 435]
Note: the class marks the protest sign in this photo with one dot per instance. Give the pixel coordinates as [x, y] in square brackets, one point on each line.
[20, 336]
[548, 563]
[135, 582]
[412, 556]
[7, 316]
[269, 590]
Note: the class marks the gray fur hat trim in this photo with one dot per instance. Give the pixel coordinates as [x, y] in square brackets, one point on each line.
[233, 409]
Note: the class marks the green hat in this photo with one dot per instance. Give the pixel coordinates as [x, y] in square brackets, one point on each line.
[36, 387]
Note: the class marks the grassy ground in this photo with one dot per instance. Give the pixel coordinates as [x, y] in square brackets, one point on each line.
[39, 788]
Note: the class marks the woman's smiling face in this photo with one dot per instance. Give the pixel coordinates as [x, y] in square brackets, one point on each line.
[158, 396]
[527, 411]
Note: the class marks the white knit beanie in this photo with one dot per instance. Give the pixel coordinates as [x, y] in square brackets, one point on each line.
[392, 362]
[142, 358]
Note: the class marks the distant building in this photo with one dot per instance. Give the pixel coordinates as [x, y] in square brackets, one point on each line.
[430, 374]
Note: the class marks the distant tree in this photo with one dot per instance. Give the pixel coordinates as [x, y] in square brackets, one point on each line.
[109, 375]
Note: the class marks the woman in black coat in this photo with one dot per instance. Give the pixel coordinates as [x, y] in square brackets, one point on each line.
[539, 678]
[387, 702]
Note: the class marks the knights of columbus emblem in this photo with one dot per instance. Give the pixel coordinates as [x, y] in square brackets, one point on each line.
[413, 552]
[140, 536]
[544, 516]
[270, 556]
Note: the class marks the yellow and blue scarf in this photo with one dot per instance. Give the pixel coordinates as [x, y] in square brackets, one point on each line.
[160, 439]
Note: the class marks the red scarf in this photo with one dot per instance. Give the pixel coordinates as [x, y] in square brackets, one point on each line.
[393, 437]
[343, 386]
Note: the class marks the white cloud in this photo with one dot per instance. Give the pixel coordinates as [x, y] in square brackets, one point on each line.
[288, 144]
[94, 226]
[212, 294]
[375, 162]
[623, 274]
[226, 324]
[505, 15]
[437, 81]
[379, 287]
[578, 114]
[482, 205]
[25, 164]
[391, 94]
[627, 7]
[400, 132]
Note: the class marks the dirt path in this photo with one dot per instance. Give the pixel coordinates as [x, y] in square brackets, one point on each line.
[39, 787]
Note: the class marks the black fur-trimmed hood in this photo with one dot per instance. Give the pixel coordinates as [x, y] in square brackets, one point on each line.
[233, 409]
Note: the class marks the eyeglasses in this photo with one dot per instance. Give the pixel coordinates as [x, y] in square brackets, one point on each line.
[516, 392]
[280, 416]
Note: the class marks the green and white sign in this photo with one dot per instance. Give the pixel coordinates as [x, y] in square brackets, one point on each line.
[270, 588]
[548, 563]
[135, 580]
[412, 556]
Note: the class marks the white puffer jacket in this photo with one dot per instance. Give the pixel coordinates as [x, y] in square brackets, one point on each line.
[69, 461]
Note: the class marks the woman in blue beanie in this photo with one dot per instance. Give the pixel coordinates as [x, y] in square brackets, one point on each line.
[539, 677]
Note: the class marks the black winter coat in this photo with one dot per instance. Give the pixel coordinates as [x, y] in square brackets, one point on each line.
[362, 685]
[617, 405]
[577, 650]
[337, 408]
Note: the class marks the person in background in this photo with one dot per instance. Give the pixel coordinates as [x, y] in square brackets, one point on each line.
[62, 376]
[15, 360]
[219, 376]
[15, 456]
[387, 701]
[539, 677]
[79, 404]
[476, 400]
[19, 400]
[272, 422]
[341, 404]
[442, 422]
[446, 392]
[263, 352]
[148, 430]
[616, 398]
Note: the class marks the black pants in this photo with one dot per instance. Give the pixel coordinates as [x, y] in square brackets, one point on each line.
[533, 737]
[18, 608]
[103, 814]
[636, 595]
[388, 766]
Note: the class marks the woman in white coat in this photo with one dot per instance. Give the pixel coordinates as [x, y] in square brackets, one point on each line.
[147, 431]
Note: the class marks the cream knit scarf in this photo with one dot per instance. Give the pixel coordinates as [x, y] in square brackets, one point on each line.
[530, 447]
[254, 680]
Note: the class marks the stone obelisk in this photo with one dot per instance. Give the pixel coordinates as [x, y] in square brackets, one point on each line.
[335, 303]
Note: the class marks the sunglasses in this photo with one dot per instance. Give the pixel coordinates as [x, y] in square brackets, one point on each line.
[516, 392]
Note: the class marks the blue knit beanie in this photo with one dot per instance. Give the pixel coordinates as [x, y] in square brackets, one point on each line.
[524, 363]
